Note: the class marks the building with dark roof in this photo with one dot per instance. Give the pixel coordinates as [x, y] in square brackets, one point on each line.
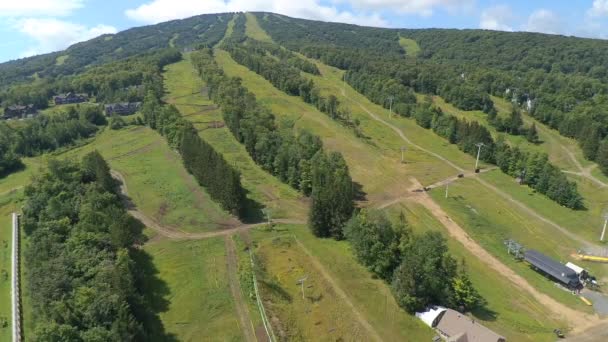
[19, 112]
[70, 98]
[552, 268]
[125, 108]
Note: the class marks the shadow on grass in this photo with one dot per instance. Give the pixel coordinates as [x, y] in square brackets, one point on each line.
[155, 292]
[485, 314]
[359, 194]
[252, 211]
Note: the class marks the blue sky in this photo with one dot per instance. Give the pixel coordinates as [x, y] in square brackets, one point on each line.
[29, 27]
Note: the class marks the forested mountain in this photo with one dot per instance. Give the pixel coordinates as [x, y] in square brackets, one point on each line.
[200, 30]
[559, 80]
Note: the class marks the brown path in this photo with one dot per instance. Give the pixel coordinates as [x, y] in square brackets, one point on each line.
[579, 320]
[360, 317]
[235, 288]
[575, 237]
[173, 233]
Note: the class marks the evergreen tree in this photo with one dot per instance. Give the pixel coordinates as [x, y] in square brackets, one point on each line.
[532, 134]
[602, 156]
[590, 142]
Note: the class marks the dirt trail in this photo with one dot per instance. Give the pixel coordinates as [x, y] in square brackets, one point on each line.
[583, 171]
[10, 191]
[579, 320]
[235, 287]
[173, 233]
[585, 243]
[358, 315]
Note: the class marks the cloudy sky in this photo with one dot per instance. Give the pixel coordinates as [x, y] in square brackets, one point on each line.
[29, 27]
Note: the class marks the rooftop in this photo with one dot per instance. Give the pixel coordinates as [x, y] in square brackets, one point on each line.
[552, 267]
[459, 327]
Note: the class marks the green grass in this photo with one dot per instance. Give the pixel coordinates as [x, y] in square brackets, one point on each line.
[490, 220]
[173, 39]
[320, 315]
[183, 89]
[509, 311]
[61, 59]
[410, 46]
[253, 29]
[379, 174]
[9, 203]
[425, 167]
[157, 181]
[245, 273]
[371, 297]
[192, 290]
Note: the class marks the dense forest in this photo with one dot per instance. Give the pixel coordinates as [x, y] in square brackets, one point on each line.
[419, 267]
[205, 29]
[298, 160]
[558, 80]
[127, 80]
[82, 277]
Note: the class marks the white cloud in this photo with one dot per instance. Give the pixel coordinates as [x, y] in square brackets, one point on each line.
[155, 11]
[599, 8]
[34, 8]
[496, 18]
[53, 34]
[420, 7]
[544, 21]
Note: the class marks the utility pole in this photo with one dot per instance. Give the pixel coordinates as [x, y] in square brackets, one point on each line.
[403, 148]
[301, 282]
[479, 146]
[605, 224]
[390, 98]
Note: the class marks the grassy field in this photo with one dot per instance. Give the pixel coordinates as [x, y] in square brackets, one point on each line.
[410, 46]
[192, 290]
[9, 203]
[183, 89]
[310, 312]
[425, 167]
[157, 181]
[490, 220]
[517, 317]
[371, 297]
[381, 176]
[253, 29]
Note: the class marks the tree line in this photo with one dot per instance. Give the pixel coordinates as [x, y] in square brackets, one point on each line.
[46, 133]
[220, 179]
[282, 70]
[127, 80]
[560, 81]
[207, 29]
[298, 160]
[374, 75]
[533, 169]
[80, 262]
[418, 267]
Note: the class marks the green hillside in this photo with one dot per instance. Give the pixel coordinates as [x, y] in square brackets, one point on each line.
[287, 179]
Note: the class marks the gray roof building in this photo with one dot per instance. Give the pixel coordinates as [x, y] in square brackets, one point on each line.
[552, 268]
[457, 327]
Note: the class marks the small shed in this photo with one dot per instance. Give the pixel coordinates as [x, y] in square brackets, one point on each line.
[554, 269]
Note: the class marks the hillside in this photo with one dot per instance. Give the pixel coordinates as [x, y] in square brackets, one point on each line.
[285, 179]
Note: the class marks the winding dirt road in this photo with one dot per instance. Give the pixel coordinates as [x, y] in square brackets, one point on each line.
[585, 243]
[579, 320]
